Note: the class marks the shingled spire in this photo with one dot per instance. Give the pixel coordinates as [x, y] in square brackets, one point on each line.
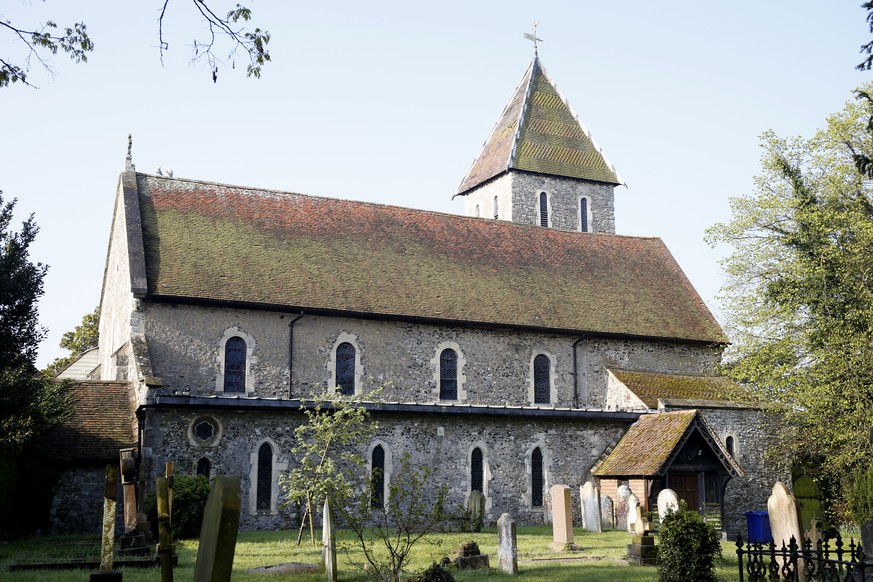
[539, 132]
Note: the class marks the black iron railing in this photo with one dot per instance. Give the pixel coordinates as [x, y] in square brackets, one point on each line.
[821, 561]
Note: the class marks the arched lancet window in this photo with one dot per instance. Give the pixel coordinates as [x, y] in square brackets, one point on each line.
[583, 214]
[448, 374]
[542, 385]
[496, 214]
[235, 365]
[204, 467]
[345, 368]
[477, 471]
[265, 477]
[377, 477]
[729, 445]
[537, 482]
[544, 209]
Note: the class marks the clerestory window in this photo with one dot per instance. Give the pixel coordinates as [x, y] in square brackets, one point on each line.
[448, 374]
[345, 368]
[235, 365]
[542, 379]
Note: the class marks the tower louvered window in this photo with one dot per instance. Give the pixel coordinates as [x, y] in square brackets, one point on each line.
[583, 214]
[235, 365]
[265, 477]
[496, 214]
[537, 483]
[477, 471]
[544, 209]
[542, 379]
[448, 375]
[377, 477]
[345, 368]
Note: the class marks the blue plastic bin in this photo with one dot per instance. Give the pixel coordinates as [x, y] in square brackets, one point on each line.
[759, 527]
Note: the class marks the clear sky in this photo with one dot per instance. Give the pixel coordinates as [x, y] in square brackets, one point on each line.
[390, 102]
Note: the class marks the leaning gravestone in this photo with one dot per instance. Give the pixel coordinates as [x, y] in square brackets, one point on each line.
[507, 546]
[784, 518]
[328, 542]
[633, 513]
[621, 496]
[589, 499]
[218, 532]
[607, 512]
[106, 573]
[562, 519]
[667, 500]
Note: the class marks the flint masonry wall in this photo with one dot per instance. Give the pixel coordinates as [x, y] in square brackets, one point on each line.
[442, 443]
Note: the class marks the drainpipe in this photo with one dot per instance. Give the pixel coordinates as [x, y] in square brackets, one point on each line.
[576, 373]
[291, 354]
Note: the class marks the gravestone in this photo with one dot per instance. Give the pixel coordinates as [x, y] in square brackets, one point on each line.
[867, 537]
[667, 500]
[128, 489]
[470, 558]
[589, 499]
[165, 540]
[507, 546]
[106, 573]
[642, 550]
[621, 495]
[607, 512]
[784, 518]
[218, 532]
[633, 512]
[562, 519]
[328, 542]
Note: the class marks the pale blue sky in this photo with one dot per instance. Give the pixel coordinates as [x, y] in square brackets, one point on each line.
[390, 102]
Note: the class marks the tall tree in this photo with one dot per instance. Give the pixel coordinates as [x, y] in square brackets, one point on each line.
[799, 291]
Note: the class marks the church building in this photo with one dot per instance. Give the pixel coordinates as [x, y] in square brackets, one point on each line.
[522, 345]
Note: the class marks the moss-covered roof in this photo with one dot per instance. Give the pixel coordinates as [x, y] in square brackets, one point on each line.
[647, 445]
[230, 244]
[102, 422]
[652, 386]
[539, 132]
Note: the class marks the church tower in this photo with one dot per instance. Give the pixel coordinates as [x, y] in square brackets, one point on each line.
[540, 165]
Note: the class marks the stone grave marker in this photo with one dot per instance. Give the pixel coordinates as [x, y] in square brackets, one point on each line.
[621, 496]
[128, 488]
[867, 537]
[607, 512]
[328, 542]
[562, 519]
[633, 512]
[507, 546]
[667, 499]
[165, 540]
[106, 573]
[470, 558]
[589, 499]
[218, 532]
[784, 518]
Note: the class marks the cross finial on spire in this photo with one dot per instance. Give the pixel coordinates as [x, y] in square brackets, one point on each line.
[128, 161]
[533, 37]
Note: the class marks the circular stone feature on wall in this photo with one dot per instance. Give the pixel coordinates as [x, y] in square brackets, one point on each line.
[204, 431]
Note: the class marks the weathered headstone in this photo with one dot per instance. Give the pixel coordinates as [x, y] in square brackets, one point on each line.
[106, 573]
[607, 512]
[784, 518]
[867, 537]
[667, 500]
[642, 550]
[562, 519]
[621, 495]
[218, 532]
[165, 539]
[470, 558]
[633, 512]
[507, 546]
[127, 464]
[589, 500]
[328, 542]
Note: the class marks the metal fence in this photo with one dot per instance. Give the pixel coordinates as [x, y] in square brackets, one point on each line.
[822, 561]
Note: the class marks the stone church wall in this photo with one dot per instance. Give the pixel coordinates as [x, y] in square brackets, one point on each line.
[440, 442]
[563, 195]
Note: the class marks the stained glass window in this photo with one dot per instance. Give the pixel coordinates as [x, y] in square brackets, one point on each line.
[477, 473]
[235, 365]
[448, 375]
[542, 387]
[345, 368]
[536, 478]
[377, 477]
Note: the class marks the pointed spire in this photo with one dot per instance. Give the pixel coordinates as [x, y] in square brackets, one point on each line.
[539, 132]
[128, 161]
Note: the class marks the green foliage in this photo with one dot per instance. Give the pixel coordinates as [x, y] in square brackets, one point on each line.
[190, 493]
[688, 548]
[84, 337]
[861, 498]
[436, 573]
[474, 513]
[799, 296]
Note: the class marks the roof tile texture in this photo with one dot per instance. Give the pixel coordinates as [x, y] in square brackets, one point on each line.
[650, 386]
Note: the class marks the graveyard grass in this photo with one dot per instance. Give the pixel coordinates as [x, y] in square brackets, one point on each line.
[597, 561]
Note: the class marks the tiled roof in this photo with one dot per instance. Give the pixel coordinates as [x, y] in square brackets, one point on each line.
[102, 422]
[647, 445]
[650, 386]
[539, 132]
[231, 244]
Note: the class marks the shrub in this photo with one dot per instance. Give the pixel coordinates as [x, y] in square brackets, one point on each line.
[861, 496]
[190, 493]
[688, 548]
[436, 573]
[476, 511]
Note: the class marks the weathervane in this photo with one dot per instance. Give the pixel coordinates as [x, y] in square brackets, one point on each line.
[533, 37]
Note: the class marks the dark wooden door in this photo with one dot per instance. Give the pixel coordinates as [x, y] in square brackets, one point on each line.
[685, 486]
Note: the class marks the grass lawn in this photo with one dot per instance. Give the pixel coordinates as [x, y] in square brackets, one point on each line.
[599, 560]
